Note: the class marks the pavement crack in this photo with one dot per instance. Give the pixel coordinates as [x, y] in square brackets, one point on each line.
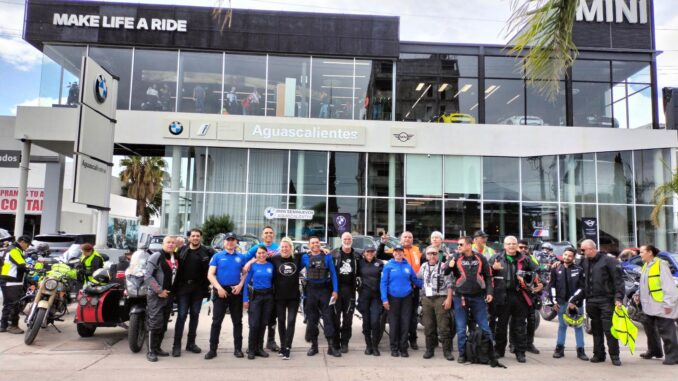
[87, 367]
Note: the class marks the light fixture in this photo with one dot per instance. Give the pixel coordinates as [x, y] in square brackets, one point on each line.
[442, 87]
[420, 86]
[513, 99]
[473, 107]
[490, 89]
[343, 76]
[463, 89]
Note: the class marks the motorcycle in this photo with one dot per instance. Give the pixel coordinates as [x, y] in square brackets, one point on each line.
[136, 290]
[50, 302]
[101, 304]
[546, 310]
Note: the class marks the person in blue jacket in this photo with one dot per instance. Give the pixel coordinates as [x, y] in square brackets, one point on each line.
[321, 279]
[260, 277]
[397, 279]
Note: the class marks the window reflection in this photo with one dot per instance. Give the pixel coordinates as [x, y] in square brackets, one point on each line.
[422, 217]
[200, 77]
[333, 88]
[424, 175]
[540, 178]
[384, 215]
[540, 222]
[652, 168]
[501, 180]
[244, 85]
[616, 228]
[505, 103]
[461, 218]
[287, 90]
[501, 219]
[378, 102]
[615, 177]
[154, 80]
[118, 62]
[577, 178]
[385, 174]
[304, 229]
[60, 75]
[592, 105]
[571, 221]
[551, 112]
[308, 172]
[347, 174]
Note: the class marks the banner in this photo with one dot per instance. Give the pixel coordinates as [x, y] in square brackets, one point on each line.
[9, 199]
[590, 228]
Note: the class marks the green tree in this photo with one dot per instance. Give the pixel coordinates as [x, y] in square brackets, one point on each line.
[142, 179]
[214, 225]
[663, 195]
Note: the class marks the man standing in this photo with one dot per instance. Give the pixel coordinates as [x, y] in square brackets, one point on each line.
[603, 289]
[345, 263]
[480, 244]
[225, 275]
[534, 294]
[12, 284]
[159, 274]
[192, 286]
[268, 240]
[90, 261]
[512, 273]
[321, 279]
[436, 303]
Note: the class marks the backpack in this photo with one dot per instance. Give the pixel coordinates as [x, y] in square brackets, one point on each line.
[480, 349]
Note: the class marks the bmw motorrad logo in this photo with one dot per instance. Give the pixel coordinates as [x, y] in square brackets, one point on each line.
[176, 128]
[100, 89]
[341, 221]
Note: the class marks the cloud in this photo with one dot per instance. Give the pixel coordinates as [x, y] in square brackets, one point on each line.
[13, 50]
[39, 101]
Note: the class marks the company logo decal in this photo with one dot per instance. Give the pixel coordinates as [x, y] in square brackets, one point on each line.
[100, 89]
[176, 128]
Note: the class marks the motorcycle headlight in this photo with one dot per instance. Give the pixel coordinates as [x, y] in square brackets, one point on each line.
[51, 284]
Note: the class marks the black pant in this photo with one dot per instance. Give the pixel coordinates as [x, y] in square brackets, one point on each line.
[287, 318]
[315, 306]
[513, 312]
[342, 314]
[658, 327]
[158, 312]
[189, 299]
[600, 314]
[531, 327]
[271, 324]
[369, 305]
[234, 304]
[258, 315]
[10, 304]
[413, 315]
[399, 317]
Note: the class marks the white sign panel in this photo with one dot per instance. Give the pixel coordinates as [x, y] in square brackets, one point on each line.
[97, 135]
[292, 214]
[262, 132]
[619, 11]
[203, 129]
[99, 88]
[92, 182]
[403, 137]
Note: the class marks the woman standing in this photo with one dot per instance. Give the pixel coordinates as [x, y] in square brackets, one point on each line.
[286, 268]
[659, 298]
[260, 277]
[369, 272]
[397, 279]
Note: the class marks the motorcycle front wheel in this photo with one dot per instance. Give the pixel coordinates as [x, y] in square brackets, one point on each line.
[137, 332]
[34, 326]
[85, 330]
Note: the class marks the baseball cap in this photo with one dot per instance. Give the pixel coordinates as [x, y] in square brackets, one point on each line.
[230, 235]
[370, 248]
[479, 233]
[398, 247]
[24, 238]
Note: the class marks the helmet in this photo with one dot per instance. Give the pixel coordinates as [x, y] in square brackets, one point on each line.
[547, 245]
[573, 318]
[101, 276]
[42, 249]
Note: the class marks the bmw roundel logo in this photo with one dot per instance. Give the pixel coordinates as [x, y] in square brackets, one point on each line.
[100, 89]
[176, 128]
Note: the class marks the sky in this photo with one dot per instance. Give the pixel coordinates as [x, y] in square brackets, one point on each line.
[458, 21]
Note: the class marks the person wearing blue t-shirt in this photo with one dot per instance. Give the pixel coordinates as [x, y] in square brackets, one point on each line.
[267, 240]
[321, 279]
[397, 279]
[225, 275]
[260, 277]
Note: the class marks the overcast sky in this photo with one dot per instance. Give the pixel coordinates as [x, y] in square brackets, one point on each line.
[459, 21]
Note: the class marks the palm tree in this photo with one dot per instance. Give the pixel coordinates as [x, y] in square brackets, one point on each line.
[142, 179]
[662, 195]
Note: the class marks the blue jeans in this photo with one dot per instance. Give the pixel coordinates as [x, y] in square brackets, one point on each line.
[562, 329]
[478, 309]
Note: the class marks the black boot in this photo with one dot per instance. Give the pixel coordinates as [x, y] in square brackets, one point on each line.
[413, 344]
[582, 355]
[447, 349]
[375, 347]
[331, 349]
[151, 355]
[368, 345]
[314, 348]
[237, 348]
[159, 350]
[191, 347]
[559, 352]
[430, 347]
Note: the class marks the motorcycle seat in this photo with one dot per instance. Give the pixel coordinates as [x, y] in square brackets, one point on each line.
[91, 289]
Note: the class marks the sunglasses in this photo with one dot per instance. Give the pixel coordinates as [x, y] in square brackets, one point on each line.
[522, 247]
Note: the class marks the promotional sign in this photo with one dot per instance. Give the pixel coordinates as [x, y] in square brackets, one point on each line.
[10, 159]
[590, 228]
[97, 139]
[292, 214]
[122, 232]
[403, 137]
[92, 182]
[342, 222]
[9, 199]
[294, 133]
[99, 88]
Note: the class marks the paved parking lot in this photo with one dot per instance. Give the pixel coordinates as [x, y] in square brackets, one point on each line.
[106, 356]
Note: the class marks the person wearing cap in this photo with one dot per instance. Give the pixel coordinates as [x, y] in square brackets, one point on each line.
[436, 304]
[369, 270]
[11, 283]
[260, 278]
[90, 261]
[344, 259]
[480, 244]
[398, 280]
[226, 276]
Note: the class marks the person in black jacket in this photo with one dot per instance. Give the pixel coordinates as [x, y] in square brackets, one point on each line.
[567, 280]
[369, 300]
[514, 274]
[604, 288]
[286, 295]
[191, 287]
[345, 264]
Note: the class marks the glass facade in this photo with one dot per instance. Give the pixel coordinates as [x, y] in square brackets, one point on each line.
[539, 198]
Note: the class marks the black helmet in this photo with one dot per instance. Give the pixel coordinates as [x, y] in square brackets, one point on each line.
[101, 276]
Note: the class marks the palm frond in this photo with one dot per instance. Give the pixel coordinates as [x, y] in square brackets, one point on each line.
[662, 195]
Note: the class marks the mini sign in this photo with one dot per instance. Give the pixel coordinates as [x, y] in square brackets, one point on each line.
[631, 11]
[292, 214]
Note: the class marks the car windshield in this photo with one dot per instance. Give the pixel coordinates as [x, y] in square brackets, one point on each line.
[157, 239]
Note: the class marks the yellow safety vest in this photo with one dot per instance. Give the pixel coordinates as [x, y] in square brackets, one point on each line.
[654, 282]
[10, 270]
[623, 328]
[87, 263]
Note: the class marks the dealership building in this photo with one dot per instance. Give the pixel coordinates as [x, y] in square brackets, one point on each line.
[318, 123]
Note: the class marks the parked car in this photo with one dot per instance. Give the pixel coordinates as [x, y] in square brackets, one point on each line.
[635, 264]
[456, 117]
[301, 247]
[602, 121]
[61, 242]
[528, 120]
[153, 243]
[361, 241]
[452, 244]
[5, 237]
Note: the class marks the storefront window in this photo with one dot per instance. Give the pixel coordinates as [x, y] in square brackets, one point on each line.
[505, 103]
[424, 175]
[616, 228]
[181, 211]
[184, 168]
[591, 70]
[232, 205]
[256, 218]
[304, 229]
[308, 172]
[639, 106]
[631, 71]
[544, 111]
[385, 174]
[363, 87]
[332, 95]
[501, 180]
[462, 177]
[268, 171]
[287, 91]
[118, 62]
[615, 177]
[501, 219]
[540, 178]
[154, 80]
[571, 220]
[540, 222]
[384, 215]
[345, 214]
[422, 217]
[663, 236]
[60, 75]
[378, 103]
[347, 174]
[652, 169]
[226, 170]
[503, 67]
[200, 78]
[592, 105]
[577, 178]
[244, 85]
[462, 218]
